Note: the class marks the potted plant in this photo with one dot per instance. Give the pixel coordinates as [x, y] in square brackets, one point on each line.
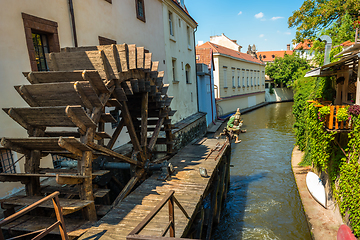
[342, 115]
[323, 114]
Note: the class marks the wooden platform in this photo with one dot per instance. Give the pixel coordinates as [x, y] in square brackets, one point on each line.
[189, 187]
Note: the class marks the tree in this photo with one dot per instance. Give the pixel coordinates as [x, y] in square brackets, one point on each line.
[317, 15]
[287, 69]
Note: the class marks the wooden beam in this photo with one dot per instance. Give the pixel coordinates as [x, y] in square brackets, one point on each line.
[112, 153]
[155, 134]
[27, 97]
[130, 126]
[144, 118]
[61, 179]
[17, 118]
[116, 134]
[75, 120]
[8, 144]
[64, 144]
[82, 95]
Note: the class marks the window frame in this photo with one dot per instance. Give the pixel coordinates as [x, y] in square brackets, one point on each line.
[138, 16]
[171, 24]
[174, 70]
[10, 161]
[188, 73]
[225, 77]
[34, 24]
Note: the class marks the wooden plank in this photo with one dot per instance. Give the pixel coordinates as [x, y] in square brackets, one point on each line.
[68, 205]
[126, 86]
[132, 56]
[116, 134]
[95, 80]
[144, 119]
[123, 55]
[155, 134]
[107, 117]
[141, 84]
[54, 77]
[164, 89]
[140, 57]
[148, 62]
[98, 192]
[154, 69]
[112, 153]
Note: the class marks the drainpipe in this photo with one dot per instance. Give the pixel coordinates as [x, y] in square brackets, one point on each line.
[328, 44]
[72, 16]
[211, 95]
[197, 95]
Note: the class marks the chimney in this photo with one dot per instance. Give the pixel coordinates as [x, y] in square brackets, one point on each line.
[288, 47]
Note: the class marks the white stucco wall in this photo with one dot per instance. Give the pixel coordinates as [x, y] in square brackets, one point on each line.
[280, 94]
[93, 18]
[177, 47]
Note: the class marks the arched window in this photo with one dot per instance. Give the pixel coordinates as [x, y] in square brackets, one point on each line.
[187, 73]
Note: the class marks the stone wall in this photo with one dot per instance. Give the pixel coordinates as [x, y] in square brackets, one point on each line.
[189, 129]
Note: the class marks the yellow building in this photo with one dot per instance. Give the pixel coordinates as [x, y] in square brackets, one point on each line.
[238, 77]
[179, 29]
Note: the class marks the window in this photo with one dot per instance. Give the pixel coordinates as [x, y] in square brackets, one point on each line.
[41, 47]
[187, 73]
[251, 77]
[140, 10]
[188, 36]
[233, 78]
[174, 69]
[225, 77]
[258, 75]
[263, 77]
[41, 38]
[106, 41]
[243, 78]
[247, 78]
[179, 23]
[238, 77]
[6, 161]
[171, 27]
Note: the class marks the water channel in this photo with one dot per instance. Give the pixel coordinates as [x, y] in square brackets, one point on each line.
[263, 201]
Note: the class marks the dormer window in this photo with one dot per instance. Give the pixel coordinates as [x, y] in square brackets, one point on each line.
[273, 56]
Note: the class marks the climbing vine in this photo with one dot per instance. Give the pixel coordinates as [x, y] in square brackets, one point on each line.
[348, 192]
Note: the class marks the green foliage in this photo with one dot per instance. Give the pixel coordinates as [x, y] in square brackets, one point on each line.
[325, 110]
[271, 89]
[339, 32]
[316, 15]
[287, 69]
[348, 192]
[321, 149]
[342, 114]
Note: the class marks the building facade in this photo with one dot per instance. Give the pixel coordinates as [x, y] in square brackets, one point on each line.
[238, 77]
[31, 28]
[179, 29]
[205, 83]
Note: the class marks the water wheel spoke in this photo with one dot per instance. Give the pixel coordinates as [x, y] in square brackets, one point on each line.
[144, 120]
[127, 189]
[155, 135]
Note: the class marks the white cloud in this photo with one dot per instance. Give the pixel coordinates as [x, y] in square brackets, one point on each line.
[287, 33]
[276, 18]
[265, 39]
[259, 15]
[261, 35]
[240, 13]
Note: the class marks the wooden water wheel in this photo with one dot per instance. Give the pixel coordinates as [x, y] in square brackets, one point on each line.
[76, 95]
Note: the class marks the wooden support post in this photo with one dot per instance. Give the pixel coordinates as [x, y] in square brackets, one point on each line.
[32, 165]
[213, 206]
[155, 134]
[101, 128]
[116, 134]
[357, 100]
[172, 216]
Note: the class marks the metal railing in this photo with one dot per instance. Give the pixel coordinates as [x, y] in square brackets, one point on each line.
[133, 235]
[43, 232]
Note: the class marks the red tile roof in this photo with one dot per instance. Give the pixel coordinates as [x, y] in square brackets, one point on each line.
[229, 52]
[306, 45]
[203, 55]
[269, 56]
[347, 43]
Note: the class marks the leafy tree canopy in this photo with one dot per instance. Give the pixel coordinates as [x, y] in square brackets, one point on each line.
[287, 69]
[316, 15]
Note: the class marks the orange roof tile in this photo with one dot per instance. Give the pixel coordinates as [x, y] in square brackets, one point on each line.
[203, 55]
[229, 52]
[306, 45]
[347, 43]
[269, 56]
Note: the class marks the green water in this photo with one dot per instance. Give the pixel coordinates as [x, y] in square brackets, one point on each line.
[263, 201]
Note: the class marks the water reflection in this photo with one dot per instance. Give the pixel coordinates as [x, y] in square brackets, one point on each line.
[263, 201]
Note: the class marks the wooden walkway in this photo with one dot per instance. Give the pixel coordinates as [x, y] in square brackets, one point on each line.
[190, 189]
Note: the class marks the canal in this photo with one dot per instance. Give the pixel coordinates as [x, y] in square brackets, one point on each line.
[263, 201]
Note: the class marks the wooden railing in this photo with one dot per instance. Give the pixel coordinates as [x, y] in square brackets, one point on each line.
[43, 232]
[331, 122]
[133, 235]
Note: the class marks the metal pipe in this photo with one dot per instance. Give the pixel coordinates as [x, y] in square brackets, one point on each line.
[72, 15]
[107, 165]
[328, 45]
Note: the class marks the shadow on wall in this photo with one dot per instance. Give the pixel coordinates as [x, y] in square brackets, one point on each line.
[279, 95]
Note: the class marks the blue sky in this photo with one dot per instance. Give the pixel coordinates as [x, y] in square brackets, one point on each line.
[259, 22]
